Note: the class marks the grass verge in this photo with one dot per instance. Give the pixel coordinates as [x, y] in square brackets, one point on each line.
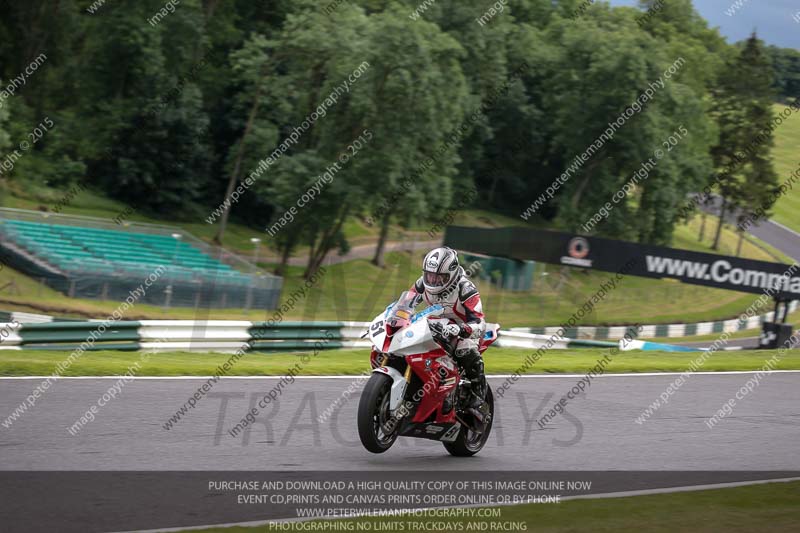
[786, 160]
[353, 362]
[770, 507]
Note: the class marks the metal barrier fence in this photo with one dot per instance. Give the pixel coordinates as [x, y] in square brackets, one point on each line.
[221, 336]
[262, 292]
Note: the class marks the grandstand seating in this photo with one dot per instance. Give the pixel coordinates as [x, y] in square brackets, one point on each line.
[84, 250]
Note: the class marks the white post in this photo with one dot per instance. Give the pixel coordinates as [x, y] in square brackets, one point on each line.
[168, 299]
[256, 242]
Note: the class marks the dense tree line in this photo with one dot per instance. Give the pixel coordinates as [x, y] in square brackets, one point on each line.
[785, 63]
[173, 116]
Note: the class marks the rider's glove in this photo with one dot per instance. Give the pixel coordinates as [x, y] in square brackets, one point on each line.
[451, 330]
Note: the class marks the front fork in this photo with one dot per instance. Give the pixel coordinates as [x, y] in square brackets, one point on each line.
[399, 384]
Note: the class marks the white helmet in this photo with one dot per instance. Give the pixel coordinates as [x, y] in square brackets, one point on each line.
[440, 270]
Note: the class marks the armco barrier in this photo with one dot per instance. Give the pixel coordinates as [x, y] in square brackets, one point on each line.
[216, 335]
[222, 336]
[661, 330]
[17, 316]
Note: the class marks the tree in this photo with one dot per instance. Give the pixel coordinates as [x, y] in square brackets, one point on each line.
[5, 142]
[411, 102]
[146, 130]
[314, 56]
[743, 109]
[251, 62]
[288, 182]
[503, 121]
[400, 106]
[5, 139]
[786, 71]
[603, 64]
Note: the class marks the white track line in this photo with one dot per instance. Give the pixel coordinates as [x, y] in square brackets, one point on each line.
[790, 230]
[622, 494]
[491, 376]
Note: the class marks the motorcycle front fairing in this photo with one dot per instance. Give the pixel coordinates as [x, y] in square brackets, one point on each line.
[413, 339]
[439, 377]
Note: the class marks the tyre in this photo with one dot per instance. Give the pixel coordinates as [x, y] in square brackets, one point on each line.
[375, 427]
[467, 442]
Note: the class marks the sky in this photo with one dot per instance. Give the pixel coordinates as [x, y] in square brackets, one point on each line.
[772, 19]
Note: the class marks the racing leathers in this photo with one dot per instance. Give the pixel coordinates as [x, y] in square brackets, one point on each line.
[461, 303]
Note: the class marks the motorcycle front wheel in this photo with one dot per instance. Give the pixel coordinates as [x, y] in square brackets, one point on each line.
[376, 428]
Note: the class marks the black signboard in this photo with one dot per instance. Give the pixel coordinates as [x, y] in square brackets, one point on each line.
[711, 270]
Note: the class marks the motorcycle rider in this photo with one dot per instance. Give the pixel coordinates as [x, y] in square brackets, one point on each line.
[444, 282]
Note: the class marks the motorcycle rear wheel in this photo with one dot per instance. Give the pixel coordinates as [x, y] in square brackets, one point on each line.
[373, 415]
[467, 442]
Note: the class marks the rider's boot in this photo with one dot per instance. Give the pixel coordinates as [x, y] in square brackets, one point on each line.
[473, 370]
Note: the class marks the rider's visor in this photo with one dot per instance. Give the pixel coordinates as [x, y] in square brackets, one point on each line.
[435, 279]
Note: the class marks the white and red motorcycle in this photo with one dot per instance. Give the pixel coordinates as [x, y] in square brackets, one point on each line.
[416, 389]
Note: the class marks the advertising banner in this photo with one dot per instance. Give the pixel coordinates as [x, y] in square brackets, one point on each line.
[698, 268]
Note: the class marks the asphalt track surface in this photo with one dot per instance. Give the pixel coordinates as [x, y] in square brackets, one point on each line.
[598, 432]
[779, 236]
[748, 343]
[773, 233]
